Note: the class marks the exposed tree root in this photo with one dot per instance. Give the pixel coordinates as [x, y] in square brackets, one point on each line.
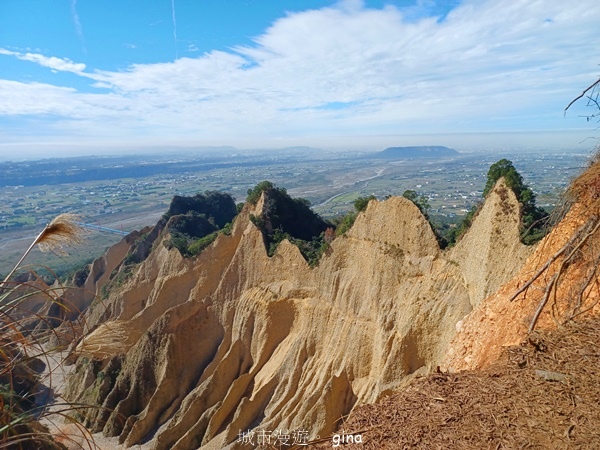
[572, 248]
[548, 263]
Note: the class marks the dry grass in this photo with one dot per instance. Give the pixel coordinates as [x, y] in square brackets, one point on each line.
[514, 404]
[25, 324]
[108, 340]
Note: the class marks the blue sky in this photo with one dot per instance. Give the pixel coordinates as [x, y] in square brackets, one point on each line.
[102, 75]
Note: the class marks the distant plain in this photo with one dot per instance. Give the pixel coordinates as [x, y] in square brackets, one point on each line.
[135, 198]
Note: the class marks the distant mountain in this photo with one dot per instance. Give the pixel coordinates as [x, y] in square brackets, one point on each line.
[434, 151]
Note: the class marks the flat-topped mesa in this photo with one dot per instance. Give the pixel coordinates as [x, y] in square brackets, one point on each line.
[234, 339]
[432, 151]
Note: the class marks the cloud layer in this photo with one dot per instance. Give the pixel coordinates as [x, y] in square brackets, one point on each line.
[339, 71]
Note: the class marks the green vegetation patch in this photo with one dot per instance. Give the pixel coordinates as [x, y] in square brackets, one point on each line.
[344, 223]
[194, 222]
[533, 218]
[196, 247]
[290, 218]
[217, 207]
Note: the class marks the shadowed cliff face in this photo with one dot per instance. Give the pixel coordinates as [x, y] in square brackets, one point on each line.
[195, 351]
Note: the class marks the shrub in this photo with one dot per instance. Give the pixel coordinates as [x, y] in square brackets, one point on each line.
[311, 250]
[178, 241]
[217, 207]
[346, 223]
[533, 218]
[193, 222]
[360, 204]
[226, 230]
[196, 247]
[289, 218]
[420, 201]
[255, 193]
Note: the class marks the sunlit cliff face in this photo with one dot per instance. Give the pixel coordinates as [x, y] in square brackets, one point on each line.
[236, 340]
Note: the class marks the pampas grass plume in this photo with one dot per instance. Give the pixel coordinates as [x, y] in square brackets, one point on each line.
[63, 231]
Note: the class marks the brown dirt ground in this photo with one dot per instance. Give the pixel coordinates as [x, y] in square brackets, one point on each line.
[507, 406]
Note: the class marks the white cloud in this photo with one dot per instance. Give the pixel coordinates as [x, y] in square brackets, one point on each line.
[52, 62]
[345, 70]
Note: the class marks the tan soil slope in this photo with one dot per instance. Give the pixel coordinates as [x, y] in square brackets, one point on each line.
[491, 251]
[235, 340]
[78, 300]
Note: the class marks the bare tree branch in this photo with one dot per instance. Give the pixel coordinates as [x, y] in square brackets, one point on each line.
[591, 86]
[553, 258]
